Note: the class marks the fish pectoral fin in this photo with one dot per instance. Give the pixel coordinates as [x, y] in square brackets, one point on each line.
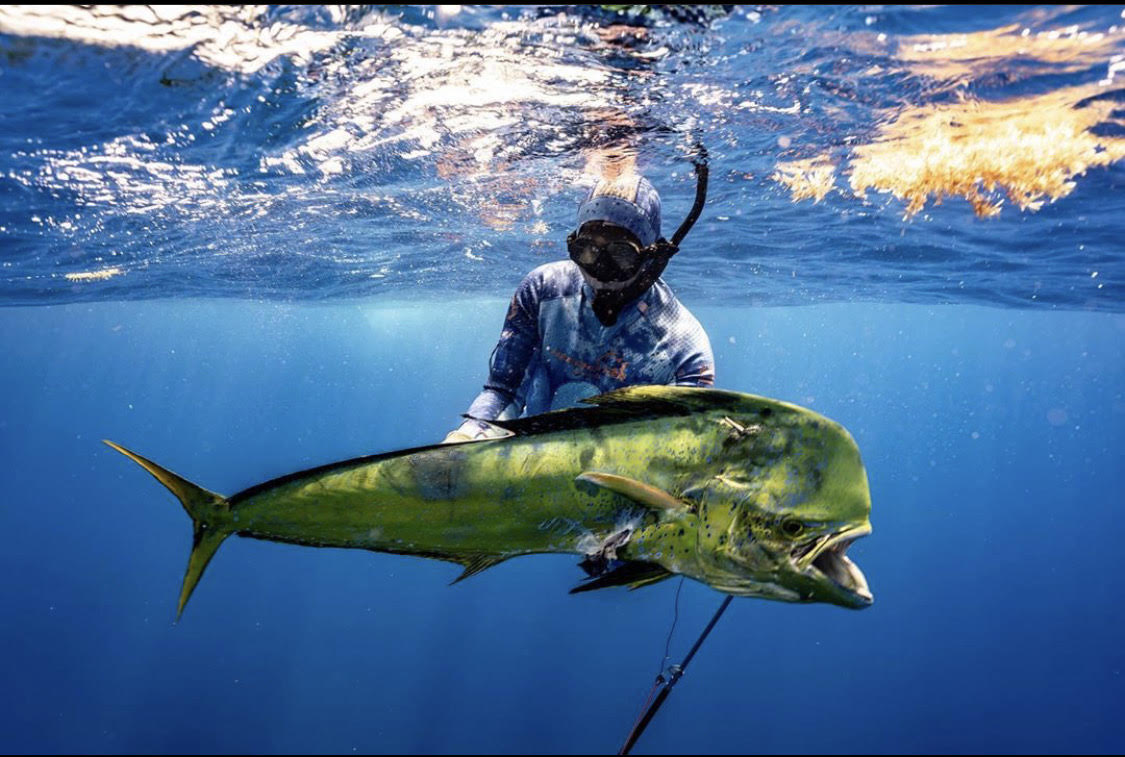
[476, 564]
[633, 573]
[638, 491]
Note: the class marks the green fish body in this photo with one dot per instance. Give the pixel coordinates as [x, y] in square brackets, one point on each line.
[752, 496]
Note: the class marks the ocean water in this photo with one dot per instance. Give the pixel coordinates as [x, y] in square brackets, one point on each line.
[247, 242]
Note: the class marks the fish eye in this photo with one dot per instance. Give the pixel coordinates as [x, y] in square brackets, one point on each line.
[792, 527]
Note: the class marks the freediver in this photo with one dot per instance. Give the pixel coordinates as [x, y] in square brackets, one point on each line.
[602, 320]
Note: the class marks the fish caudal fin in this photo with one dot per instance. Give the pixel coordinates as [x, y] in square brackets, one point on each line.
[205, 509]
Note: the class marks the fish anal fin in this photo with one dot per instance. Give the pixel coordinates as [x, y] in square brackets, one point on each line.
[477, 564]
[638, 491]
[633, 574]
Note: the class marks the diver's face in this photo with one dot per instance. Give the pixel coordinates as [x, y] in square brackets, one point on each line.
[609, 256]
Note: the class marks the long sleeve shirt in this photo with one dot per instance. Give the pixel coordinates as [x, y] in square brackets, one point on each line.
[553, 350]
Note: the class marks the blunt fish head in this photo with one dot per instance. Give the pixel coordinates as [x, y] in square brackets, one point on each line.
[788, 498]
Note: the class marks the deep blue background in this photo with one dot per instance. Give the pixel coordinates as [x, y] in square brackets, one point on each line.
[993, 444]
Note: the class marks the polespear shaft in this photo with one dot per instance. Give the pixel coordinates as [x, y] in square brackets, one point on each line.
[676, 673]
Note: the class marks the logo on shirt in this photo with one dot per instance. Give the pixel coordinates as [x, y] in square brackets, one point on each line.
[610, 364]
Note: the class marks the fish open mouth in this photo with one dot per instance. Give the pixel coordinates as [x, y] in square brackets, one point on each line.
[829, 558]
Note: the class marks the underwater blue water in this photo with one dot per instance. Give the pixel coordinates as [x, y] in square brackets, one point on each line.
[995, 559]
[322, 272]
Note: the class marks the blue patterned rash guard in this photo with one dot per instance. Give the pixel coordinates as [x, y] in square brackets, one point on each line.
[554, 351]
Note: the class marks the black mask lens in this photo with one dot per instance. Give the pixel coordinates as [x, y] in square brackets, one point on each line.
[624, 255]
[615, 261]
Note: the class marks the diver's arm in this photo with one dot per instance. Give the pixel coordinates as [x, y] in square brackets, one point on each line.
[507, 366]
[698, 365]
[488, 405]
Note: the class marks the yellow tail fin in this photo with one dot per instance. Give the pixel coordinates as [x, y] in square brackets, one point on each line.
[203, 506]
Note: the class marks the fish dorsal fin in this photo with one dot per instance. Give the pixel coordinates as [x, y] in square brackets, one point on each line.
[638, 491]
[698, 398]
[639, 402]
[476, 564]
[633, 574]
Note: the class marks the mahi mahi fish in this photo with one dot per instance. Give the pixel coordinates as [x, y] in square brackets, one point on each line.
[751, 496]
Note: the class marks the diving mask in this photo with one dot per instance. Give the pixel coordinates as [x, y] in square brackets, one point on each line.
[612, 261]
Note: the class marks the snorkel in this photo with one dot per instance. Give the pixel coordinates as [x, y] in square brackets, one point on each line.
[610, 299]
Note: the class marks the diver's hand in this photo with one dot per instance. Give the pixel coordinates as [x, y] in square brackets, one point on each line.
[457, 436]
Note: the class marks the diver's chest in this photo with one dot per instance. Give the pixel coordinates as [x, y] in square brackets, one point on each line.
[607, 360]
